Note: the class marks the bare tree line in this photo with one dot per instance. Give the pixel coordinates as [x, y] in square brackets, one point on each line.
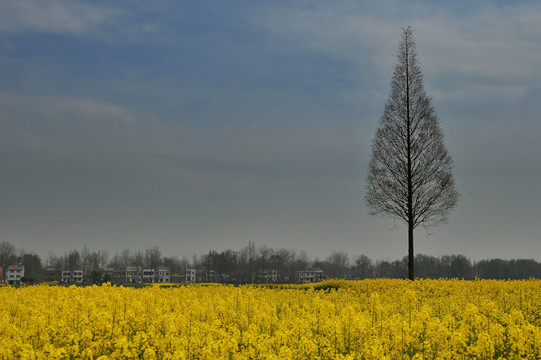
[251, 260]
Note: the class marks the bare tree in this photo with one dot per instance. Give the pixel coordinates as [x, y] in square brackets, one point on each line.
[363, 266]
[264, 253]
[409, 175]
[153, 257]
[247, 257]
[33, 268]
[85, 260]
[338, 264]
[72, 261]
[96, 260]
[126, 258]
[8, 254]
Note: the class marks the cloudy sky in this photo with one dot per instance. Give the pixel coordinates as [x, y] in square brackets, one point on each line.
[203, 125]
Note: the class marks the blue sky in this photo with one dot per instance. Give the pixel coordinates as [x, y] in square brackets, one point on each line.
[198, 125]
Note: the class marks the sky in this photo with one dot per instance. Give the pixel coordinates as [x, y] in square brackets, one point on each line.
[205, 125]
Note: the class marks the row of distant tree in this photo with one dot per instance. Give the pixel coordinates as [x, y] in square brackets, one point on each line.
[247, 262]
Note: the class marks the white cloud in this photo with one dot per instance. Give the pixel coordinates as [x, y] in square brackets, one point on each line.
[54, 16]
[491, 48]
[344, 32]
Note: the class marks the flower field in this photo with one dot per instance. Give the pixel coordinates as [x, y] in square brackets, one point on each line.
[368, 319]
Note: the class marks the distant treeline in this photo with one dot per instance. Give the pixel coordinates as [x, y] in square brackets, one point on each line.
[249, 261]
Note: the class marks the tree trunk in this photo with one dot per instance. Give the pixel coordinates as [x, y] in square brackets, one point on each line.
[411, 261]
[411, 275]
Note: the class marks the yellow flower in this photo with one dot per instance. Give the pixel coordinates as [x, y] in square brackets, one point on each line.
[371, 319]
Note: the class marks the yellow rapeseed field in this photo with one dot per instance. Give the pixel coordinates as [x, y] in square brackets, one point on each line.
[368, 319]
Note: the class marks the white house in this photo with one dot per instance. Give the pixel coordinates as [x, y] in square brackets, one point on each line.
[191, 275]
[268, 275]
[14, 274]
[149, 276]
[309, 276]
[77, 276]
[163, 274]
[70, 277]
[134, 274]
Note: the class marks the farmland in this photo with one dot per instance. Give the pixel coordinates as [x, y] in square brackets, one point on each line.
[336, 319]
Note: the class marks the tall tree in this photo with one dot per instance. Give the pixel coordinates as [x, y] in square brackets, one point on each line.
[8, 254]
[338, 264]
[362, 267]
[33, 268]
[153, 257]
[409, 175]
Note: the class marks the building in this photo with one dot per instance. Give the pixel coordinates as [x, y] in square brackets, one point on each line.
[206, 276]
[72, 277]
[14, 274]
[107, 275]
[191, 275]
[149, 276]
[268, 275]
[163, 274]
[177, 278]
[223, 278]
[51, 274]
[309, 276]
[77, 276]
[134, 274]
[66, 276]
[130, 275]
[119, 276]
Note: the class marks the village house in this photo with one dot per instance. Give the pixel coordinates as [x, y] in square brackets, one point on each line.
[137, 275]
[14, 274]
[72, 277]
[149, 276]
[177, 278]
[119, 276]
[200, 276]
[107, 274]
[134, 275]
[190, 275]
[309, 276]
[206, 276]
[51, 274]
[163, 274]
[268, 275]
